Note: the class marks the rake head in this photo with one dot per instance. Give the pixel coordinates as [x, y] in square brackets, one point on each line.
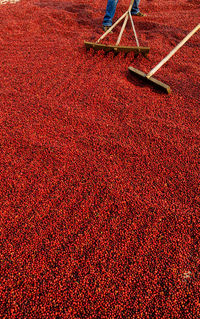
[117, 48]
[150, 80]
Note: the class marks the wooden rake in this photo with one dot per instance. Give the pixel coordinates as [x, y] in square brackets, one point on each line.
[118, 48]
[153, 81]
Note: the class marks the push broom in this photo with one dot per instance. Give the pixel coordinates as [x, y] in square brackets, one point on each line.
[118, 48]
[148, 77]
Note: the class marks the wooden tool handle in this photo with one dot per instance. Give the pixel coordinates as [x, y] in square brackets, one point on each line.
[130, 6]
[158, 66]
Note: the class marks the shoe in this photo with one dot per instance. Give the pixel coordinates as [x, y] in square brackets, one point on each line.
[106, 28]
[139, 14]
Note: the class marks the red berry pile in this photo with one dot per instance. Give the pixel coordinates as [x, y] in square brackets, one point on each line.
[99, 174]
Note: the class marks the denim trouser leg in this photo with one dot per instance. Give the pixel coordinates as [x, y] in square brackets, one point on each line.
[135, 7]
[110, 12]
[111, 8]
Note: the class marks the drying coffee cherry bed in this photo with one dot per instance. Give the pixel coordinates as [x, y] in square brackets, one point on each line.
[99, 176]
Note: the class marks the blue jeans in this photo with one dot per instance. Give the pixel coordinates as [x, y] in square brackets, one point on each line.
[111, 8]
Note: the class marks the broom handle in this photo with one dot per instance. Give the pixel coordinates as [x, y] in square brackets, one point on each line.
[158, 66]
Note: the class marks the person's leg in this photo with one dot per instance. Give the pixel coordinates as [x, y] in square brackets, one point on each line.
[110, 12]
[135, 7]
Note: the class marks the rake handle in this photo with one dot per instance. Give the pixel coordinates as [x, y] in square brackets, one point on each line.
[122, 29]
[114, 25]
[130, 6]
[158, 66]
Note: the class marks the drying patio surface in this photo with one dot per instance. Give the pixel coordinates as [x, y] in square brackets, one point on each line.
[99, 173]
